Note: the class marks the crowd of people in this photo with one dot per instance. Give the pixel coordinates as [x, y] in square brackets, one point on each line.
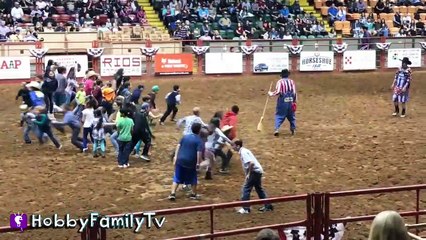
[61, 16]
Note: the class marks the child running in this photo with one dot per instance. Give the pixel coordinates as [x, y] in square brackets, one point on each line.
[99, 136]
[88, 118]
[43, 123]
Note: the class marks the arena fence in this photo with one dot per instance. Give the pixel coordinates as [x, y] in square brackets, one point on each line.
[148, 59]
[318, 214]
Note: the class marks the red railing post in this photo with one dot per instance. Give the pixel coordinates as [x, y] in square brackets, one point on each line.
[383, 56]
[200, 58]
[309, 221]
[294, 58]
[318, 215]
[148, 44]
[212, 221]
[326, 214]
[39, 61]
[95, 61]
[417, 208]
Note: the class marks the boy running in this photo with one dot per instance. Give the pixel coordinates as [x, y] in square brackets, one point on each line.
[173, 100]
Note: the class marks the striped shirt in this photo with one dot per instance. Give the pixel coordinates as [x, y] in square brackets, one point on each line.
[402, 80]
[188, 121]
[285, 86]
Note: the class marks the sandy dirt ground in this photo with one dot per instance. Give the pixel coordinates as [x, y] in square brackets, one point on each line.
[346, 139]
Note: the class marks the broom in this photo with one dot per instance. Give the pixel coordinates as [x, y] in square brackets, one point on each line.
[260, 124]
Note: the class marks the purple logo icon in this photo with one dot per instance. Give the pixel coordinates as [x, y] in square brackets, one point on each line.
[19, 221]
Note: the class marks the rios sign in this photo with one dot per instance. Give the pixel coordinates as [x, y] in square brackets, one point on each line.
[131, 64]
[174, 63]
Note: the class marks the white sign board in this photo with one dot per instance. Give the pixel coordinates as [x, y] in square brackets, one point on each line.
[359, 60]
[267, 62]
[224, 63]
[132, 65]
[316, 61]
[78, 62]
[395, 56]
[15, 68]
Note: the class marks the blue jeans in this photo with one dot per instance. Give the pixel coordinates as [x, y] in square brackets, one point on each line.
[124, 150]
[27, 131]
[60, 98]
[78, 111]
[114, 140]
[99, 144]
[279, 119]
[254, 180]
[87, 132]
[49, 133]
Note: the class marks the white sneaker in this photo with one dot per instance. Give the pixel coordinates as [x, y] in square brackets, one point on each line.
[146, 158]
[85, 150]
[403, 116]
[394, 114]
[243, 211]
[125, 166]
[60, 146]
[128, 165]
[121, 166]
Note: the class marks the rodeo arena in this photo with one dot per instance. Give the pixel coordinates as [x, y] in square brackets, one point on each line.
[218, 119]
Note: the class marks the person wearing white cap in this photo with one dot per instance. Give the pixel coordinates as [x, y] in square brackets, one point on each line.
[36, 96]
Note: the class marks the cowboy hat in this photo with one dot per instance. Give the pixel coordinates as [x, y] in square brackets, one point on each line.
[33, 84]
[406, 60]
[91, 74]
[226, 128]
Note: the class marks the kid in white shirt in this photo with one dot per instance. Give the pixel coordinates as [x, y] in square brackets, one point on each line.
[87, 119]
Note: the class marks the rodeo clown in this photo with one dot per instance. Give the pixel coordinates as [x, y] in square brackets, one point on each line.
[286, 103]
[401, 85]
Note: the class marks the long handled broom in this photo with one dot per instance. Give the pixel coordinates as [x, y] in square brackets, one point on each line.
[260, 124]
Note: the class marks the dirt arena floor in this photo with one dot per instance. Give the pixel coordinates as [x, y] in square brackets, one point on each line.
[346, 139]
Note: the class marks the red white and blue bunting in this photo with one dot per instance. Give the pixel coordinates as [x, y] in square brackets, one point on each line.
[149, 52]
[294, 49]
[248, 50]
[340, 48]
[200, 50]
[383, 46]
[38, 52]
[335, 232]
[423, 45]
[95, 52]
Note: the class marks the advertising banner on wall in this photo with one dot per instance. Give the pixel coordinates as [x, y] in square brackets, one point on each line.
[15, 68]
[395, 56]
[79, 62]
[316, 61]
[132, 65]
[359, 60]
[174, 63]
[268, 62]
[223, 63]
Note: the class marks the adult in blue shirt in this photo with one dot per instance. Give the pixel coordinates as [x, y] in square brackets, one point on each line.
[71, 120]
[332, 14]
[285, 11]
[186, 161]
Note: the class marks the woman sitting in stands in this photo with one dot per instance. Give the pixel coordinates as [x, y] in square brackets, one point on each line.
[388, 225]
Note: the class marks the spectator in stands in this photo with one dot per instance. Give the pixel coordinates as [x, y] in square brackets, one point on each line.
[216, 35]
[49, 28]
[48, 20]
[267, 234]
[332, 14]
[296, 9]
[380, 7]
[4, 30]
[41, 4]
[420, 27]
[388, 225]
[37, 19]
[205, 28]
[384, 30]
[357, 29]
[203, 14]
[17, 13]
[366, 35]
[181, 32]
[60, 28]
[406, 20]
[400, 33]
[244, 13]
[361, 7]
[225, 22]
[205, 37]
[36, 11]
[341, 14]
[352, 6]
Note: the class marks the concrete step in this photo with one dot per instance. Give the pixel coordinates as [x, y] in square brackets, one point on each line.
[151, 15]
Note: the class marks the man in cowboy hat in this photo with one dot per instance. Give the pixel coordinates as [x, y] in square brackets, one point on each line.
[36, 96]
[400, 86]
[286, 103]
